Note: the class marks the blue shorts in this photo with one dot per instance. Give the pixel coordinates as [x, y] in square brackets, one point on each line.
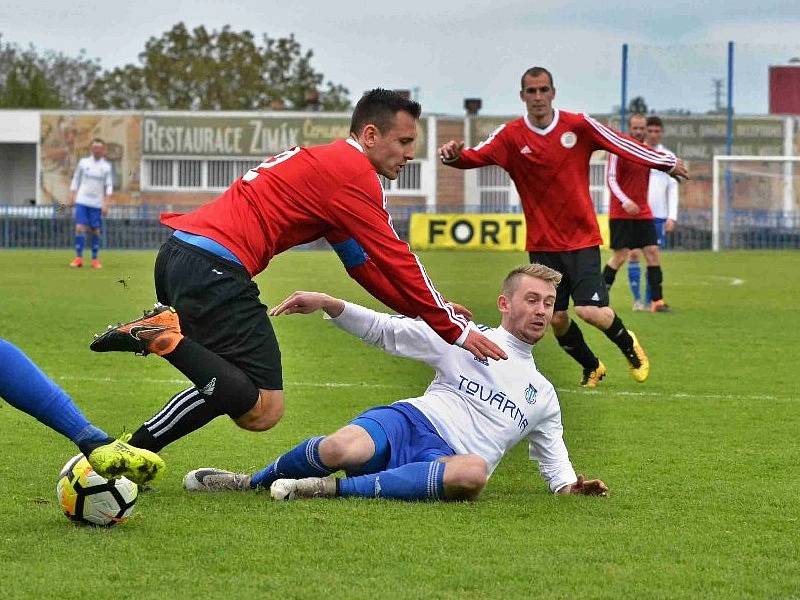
[88, 215]
[660, 233]
[402, 435]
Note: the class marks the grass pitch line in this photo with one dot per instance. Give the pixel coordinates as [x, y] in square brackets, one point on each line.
[676, 395]
[344, 384]
[314, 384]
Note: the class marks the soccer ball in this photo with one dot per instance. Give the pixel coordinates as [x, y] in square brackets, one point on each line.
[86, 497]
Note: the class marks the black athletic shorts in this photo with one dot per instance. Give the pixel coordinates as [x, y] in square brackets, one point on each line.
[632, 233]
[219, 307]
[581, 276]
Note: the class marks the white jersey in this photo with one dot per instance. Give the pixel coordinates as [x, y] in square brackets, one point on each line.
[662, 192]
[477, 407]
[92, 181]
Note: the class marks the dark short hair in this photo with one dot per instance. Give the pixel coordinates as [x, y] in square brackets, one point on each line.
[636, 116]
[656, 121]
[97, 140]
[379, 107]
[535, 72]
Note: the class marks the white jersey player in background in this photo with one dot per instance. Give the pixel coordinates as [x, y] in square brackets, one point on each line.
[445, 444]
[662, 196]
[91, 184]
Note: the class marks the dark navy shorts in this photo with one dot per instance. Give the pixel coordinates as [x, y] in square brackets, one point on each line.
[402, 435]
[88, 215]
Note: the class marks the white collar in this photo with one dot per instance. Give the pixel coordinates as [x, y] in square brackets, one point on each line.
[539, 130]
[355, 144]
[516, 345]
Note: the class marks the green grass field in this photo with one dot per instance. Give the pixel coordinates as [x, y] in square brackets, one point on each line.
[701, 460]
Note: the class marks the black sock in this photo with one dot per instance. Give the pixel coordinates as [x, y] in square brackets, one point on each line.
[573, 344]
[219, 381]
[619, 335]
[186, 411]
[654, 279]
[87, 447]
[609, 275]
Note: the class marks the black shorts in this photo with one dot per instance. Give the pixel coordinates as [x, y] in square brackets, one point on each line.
[219, 307]
[632, 233]
[581, 276]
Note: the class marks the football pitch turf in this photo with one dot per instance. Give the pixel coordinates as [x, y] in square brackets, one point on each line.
[702, 459]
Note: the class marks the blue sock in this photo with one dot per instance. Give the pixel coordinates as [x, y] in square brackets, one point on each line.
[95, 245]
[414, 481]
[80, 242]
[24, 386]
[634, 274]
[301, 461]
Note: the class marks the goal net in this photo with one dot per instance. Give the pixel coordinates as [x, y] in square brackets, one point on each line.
[755, 202]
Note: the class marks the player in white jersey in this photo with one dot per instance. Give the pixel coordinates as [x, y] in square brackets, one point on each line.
[445, 444]
[91, 184]
[662, 196]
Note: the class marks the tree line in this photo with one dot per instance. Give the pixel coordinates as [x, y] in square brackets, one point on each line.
[181, 70]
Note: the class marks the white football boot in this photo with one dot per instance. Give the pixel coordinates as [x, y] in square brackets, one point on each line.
[208, 479]
[310, 487]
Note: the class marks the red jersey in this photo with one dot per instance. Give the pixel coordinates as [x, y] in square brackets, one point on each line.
[550, 168]
[628, 182]
[330, 191]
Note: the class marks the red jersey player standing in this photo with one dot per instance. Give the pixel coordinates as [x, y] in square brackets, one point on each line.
[546, 153]
[630, 219]
[210, 323]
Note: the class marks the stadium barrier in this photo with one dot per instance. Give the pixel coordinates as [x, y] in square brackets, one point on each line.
[138, 227]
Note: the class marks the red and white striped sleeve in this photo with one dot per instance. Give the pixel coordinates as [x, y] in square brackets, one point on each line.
[613, 184]
[626, 147]
[491, 151]
[356, 210]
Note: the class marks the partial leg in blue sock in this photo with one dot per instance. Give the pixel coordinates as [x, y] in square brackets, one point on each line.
[634, 275]
[25, 386]
[301, 461]
[414, 481]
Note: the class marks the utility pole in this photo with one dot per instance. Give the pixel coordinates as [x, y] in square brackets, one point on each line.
[718, 84]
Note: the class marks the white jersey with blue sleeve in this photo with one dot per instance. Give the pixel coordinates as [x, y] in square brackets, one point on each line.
[477, 407]
[662, 192]
[92, 181]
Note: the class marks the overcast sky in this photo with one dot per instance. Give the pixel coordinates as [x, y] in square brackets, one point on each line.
[450, 50]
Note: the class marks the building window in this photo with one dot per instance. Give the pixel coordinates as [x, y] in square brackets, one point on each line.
[190, 173]
[220, 173]
[494, 185]
[409, 180]
[159, 173]
[195, 174]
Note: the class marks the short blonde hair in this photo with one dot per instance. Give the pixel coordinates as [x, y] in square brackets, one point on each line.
[536, 270]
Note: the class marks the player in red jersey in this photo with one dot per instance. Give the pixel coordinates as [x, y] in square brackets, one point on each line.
[631, 221]
[546, 153]
[221, 338]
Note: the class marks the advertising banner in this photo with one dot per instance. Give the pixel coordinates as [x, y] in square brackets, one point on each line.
[488, 231]
[245, 136]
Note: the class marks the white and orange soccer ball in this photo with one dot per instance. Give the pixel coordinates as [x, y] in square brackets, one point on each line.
[86, 497]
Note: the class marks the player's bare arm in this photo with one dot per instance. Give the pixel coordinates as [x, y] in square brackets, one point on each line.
[585, 487]
[679, 171]
[451, 151]
[630, 207]
[306, 303]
